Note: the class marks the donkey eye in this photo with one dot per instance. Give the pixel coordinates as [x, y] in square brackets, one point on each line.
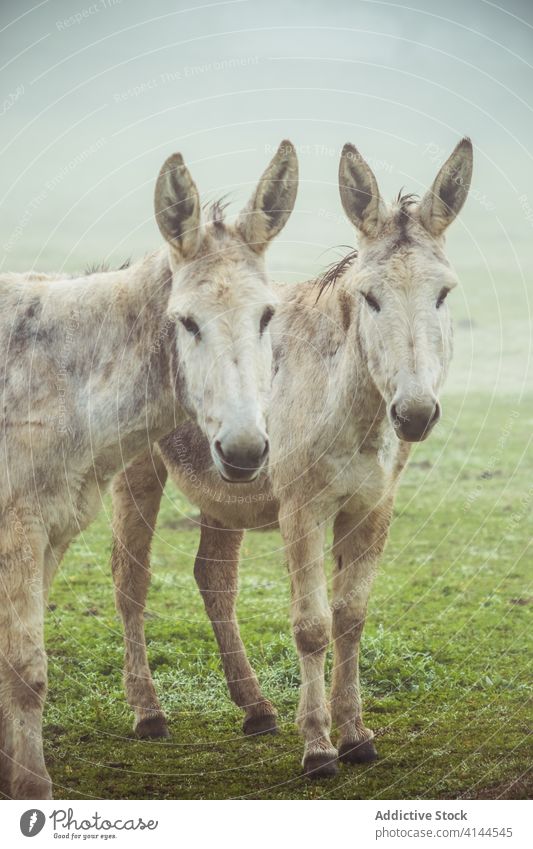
[442, 297]
[265, 320]
[191, 326]
[371, 301]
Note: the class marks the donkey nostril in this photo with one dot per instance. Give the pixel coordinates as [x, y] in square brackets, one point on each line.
[220, 452]
[265, 450]
[436, 414]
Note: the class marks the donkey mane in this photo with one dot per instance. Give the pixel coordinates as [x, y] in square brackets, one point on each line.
[403, 202]
[335, 270]
[402, 217]
[215, 214]
[402, 207]
[99, 267]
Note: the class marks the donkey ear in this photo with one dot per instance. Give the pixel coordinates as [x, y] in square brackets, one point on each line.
[359, 193]
[271, 204]
[445, 199]
[177, 207]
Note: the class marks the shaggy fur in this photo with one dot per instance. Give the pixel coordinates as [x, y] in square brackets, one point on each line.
[352, 387]
[95, 370]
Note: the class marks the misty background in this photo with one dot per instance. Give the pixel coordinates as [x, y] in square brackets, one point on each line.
[95, 95]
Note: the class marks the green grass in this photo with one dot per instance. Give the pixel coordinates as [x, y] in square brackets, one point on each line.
[446, 651]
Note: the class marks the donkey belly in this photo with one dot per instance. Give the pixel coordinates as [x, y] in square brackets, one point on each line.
[188, 459]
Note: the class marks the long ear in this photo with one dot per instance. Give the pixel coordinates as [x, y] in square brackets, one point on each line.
[177, 206]
[445, 199]
[359, 193]
[271, 204]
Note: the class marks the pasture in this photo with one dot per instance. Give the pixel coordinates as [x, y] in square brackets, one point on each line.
[445, 654]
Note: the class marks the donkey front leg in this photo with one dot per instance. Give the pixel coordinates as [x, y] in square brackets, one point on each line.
[23, 670]
[311, 620]
[136, 499]
[216, 571]
[358, 543]
[6, 751]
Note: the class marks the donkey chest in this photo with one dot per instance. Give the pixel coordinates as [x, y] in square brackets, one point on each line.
[357, 478]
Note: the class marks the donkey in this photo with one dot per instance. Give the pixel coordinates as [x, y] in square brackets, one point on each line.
[359, 358]
[95, 369]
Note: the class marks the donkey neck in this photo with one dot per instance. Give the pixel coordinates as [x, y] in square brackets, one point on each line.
[317, 346]
[137, 361]
[359, 403]
[118, 367]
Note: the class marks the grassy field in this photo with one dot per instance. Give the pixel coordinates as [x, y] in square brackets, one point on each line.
[446, 651]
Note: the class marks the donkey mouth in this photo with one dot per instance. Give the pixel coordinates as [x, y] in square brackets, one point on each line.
[239, 469]
[238, 478]
[412, 437]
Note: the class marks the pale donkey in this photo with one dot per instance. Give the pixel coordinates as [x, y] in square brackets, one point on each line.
[95, 370]
[359, 359]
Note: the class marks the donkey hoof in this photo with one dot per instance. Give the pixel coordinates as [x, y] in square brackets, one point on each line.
[358, 753]
[152, 727]
[321, 765]
[264, 723]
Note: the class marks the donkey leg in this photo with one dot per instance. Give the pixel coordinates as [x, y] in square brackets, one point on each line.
[136, 499]
[216, 572]
[24, 668]
[311, 620]
[6, 746]
[358, 543]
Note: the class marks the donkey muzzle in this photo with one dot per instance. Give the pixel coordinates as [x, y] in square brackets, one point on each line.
[240, 459]
[414, 421]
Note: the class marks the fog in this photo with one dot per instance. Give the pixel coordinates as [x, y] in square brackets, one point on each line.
[96, 95]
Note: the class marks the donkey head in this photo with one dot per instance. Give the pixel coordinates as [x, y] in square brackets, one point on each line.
[404, 278]
[221, 304]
